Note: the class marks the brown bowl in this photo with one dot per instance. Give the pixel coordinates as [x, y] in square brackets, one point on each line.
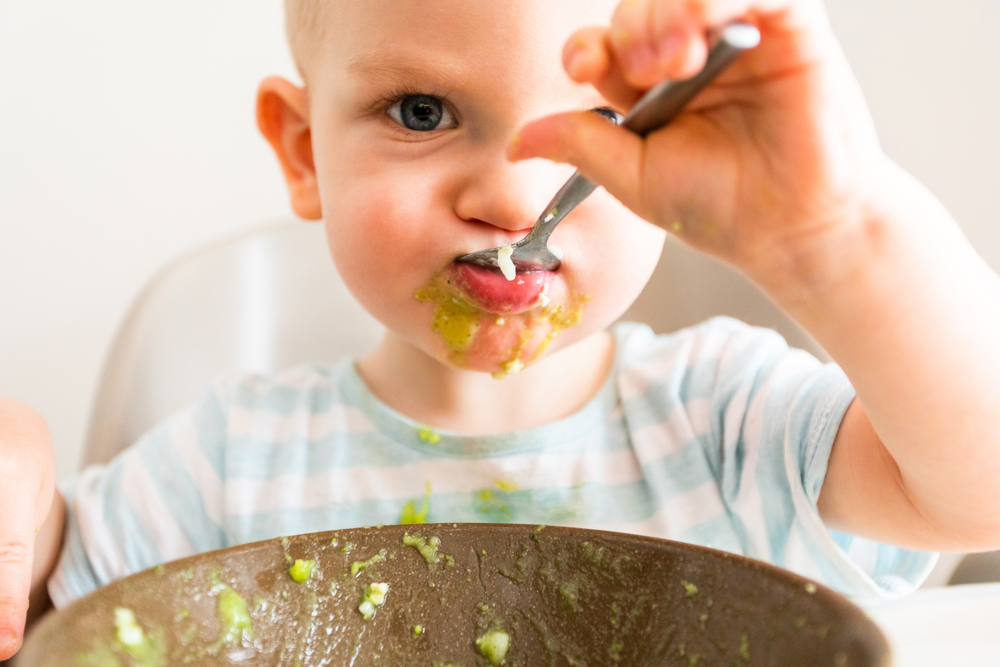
[563, 596]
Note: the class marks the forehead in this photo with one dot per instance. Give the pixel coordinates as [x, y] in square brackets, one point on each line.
[499, 39]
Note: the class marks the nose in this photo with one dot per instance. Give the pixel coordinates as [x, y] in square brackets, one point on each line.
[508, 196]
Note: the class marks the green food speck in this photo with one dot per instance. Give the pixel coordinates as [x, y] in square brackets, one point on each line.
[359, 566]
[334, 542]
[134, 641]
[690, 588]
[744, 647]
[235, 617]
[418, 630]
[429, 436]
[703, 619]
[494, 646]
[301, 570]
[428, 548]
[410, 515]
[374, 598]
[810, 588]
[569, 594]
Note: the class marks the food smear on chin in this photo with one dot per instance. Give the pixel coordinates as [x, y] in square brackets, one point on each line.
[469, 331]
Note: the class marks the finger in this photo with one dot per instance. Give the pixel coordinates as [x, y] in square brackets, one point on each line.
[18, 498]
[588, 58]
[605, 153]
[27, 484]
[666, 39]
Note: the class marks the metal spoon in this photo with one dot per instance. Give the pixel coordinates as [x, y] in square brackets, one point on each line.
[657, 107]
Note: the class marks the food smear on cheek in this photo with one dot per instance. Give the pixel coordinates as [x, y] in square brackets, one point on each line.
[502, 344]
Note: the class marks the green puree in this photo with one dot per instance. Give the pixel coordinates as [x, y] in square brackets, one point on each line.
[359, 565]
[301, 570]
[410, 515]
[428, 548]
[235, 617]
[134, 641]
[494, 646]
[374, 597]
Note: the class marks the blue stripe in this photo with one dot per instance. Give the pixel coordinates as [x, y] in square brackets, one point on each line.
[178, 492]
[128, 532]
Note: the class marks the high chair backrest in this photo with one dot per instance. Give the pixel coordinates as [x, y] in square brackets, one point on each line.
[270, 298]
[258, 302]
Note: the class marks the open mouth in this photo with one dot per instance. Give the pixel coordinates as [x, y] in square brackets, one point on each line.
[491, 291]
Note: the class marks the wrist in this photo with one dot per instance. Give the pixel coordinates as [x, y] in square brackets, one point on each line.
[872, 243]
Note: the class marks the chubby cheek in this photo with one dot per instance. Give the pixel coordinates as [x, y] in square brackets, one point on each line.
[610, 253]
[383, 243]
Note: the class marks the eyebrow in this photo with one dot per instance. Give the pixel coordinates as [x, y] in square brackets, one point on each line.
[380, 66]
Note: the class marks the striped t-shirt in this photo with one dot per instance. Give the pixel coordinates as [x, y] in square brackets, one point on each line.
[717, 435]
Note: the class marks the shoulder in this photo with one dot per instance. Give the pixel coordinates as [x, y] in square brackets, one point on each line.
[306, 384]
[719, 340]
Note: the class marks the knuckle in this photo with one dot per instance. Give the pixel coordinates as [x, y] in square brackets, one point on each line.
[14, 554]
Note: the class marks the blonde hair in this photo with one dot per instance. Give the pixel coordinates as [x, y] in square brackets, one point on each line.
[303, 28]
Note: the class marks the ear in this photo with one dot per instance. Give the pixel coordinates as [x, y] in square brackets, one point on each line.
[283, 119]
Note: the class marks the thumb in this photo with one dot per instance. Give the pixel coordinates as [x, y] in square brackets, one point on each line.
[606, 154]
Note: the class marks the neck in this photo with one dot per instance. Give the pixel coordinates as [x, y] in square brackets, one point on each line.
[430, 392]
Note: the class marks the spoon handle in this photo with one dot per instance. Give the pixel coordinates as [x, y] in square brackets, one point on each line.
[656, 108]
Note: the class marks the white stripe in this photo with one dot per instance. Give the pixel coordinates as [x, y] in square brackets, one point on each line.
[635, 380]
[343, 485]
[271, 426]
[678, 515]
[139, 490]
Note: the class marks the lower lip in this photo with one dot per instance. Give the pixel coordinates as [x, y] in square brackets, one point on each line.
[492, 292]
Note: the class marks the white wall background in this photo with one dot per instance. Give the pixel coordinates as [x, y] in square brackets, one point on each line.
[127, 136]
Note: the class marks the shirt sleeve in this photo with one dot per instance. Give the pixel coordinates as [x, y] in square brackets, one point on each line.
[778, 412]
[159, 500]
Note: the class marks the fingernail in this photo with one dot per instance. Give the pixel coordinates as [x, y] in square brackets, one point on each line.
[576, 62]
[672, 46]
[641, 59]
[9, 642]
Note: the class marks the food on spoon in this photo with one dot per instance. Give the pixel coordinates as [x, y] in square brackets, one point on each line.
[504, 261]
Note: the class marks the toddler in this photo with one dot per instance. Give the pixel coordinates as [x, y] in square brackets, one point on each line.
[511, 400]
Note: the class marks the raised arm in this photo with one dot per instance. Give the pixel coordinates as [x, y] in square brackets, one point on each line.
[777, 170]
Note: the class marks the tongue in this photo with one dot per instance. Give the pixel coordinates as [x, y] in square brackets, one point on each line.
[494, 293]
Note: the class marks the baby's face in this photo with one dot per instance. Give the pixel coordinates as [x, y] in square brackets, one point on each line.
[411, 107]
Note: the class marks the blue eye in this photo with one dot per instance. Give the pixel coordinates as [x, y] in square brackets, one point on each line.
[422, 113]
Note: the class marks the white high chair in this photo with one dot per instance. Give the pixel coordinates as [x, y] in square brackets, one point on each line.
[270, 298]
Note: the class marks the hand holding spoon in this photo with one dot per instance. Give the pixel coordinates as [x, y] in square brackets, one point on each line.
[658, 107]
